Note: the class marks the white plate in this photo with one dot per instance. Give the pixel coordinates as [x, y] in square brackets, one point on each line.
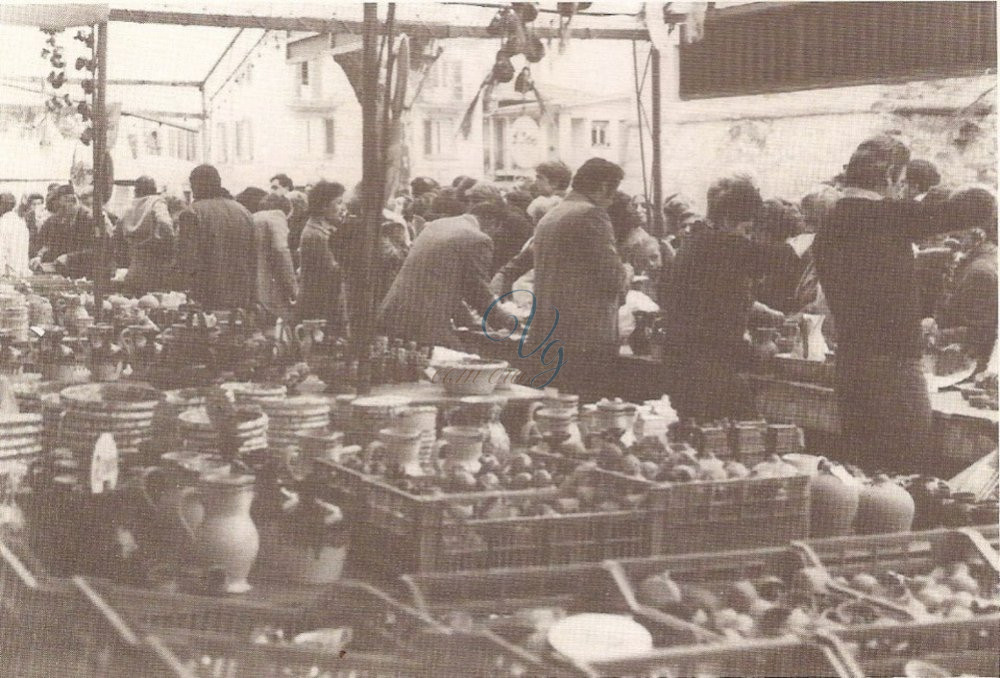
[592, 637]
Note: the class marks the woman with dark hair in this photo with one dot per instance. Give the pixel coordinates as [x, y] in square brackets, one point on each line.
[215, 239]
[148, 234]
[320, 273]
[864, 255]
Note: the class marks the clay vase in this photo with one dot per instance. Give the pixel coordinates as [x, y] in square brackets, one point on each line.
[833, 503]
[883, 507]
[226, 539]
[463, 445]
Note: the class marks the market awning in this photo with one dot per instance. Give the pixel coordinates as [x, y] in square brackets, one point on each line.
[54, 17]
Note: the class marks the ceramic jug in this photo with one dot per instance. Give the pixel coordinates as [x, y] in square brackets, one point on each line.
[309, 333]
[226, 538]
[884, 506]
[163, 488]
[833, 503]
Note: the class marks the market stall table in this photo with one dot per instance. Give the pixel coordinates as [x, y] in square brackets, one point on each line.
[962, 433]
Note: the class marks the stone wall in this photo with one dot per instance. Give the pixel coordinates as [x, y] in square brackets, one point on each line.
[791, 141]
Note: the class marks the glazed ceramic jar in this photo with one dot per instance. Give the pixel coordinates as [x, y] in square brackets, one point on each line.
[401, 450]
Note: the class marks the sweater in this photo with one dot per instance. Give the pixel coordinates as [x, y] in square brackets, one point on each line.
[864, 257]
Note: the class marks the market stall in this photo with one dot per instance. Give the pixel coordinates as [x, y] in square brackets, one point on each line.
[189, 493]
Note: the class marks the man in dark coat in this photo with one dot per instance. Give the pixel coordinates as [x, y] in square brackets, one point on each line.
[864, 256]
[69, 237]
[215, 246]
[448, 267]
[580, 281]
[708, 304]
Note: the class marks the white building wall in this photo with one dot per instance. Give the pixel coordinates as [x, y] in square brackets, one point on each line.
[791, 141]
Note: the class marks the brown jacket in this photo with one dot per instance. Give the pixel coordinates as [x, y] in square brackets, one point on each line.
[449, 263]
[579, 273]
[214, 253]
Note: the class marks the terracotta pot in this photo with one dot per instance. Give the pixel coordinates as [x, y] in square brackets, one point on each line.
[833, 503]
[226, 538]
[884, 507]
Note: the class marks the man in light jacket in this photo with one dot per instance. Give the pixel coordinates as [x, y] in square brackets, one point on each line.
[14, 238]
[149, 236]
[580, 280]
[276, 285]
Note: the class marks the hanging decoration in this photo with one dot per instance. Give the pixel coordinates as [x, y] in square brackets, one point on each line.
[661, 22]
[67, 109]
[514, 26]
[567, 10]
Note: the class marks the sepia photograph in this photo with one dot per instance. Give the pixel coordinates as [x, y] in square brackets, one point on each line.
[486, 339]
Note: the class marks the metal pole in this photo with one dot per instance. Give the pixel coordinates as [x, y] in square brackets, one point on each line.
[100, 123]
[657, 169]
[371, 172]
[205, 145]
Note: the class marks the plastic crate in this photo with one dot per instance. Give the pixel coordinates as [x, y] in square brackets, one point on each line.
[211, 636]
[48, 629]
[492, 599]
[961, 647]
[723, 515]
[715, 571]
[421, 533]
[750, 658]
[905, 552]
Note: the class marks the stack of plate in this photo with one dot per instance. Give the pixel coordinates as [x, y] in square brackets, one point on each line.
[29, 388]
[14, 316]
[342, 415]
[166, 427]
[200, 435]
[289, 417]
[249, 393]
[21, 435]
[372, 414]
[51, 409]
[124, 410]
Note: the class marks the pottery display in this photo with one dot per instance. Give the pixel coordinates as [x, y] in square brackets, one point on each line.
[462, 447]
[400, 450]
[833, 504]
[246, 431]
[421, 418]
[483, 414]
[884, 506]
[470, 377]
[124, 410]
[370, 415]
[292, 415]
[226, 538]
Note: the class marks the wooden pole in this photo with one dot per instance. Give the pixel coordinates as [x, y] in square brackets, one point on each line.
[371, 171]
[657, 169]
[206, 147]
[100, 126]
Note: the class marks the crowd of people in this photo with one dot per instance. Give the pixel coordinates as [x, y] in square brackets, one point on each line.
[448, 254]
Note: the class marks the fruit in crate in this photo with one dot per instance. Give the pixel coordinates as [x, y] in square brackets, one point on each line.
[766, 607]
[959, 590]
[682, 464]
